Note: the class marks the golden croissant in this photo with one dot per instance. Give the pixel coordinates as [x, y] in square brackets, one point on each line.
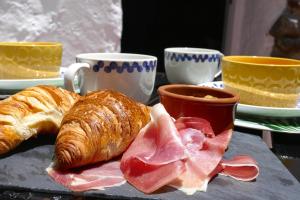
[32, 111]
[99, 126]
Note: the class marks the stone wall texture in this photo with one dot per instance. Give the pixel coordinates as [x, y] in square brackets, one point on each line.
[82, 26]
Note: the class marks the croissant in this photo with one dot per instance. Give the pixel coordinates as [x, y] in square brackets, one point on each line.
[99, 126]
[31, 111]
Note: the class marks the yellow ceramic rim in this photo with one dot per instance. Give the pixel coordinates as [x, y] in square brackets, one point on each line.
[30, 44]
[232, 60]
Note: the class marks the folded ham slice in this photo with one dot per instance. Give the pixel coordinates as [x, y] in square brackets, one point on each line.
[242, 168]
[184, 154]
[201, 162]
[154, 157]
[97, 176]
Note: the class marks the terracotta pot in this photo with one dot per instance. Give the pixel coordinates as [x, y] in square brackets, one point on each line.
[190, 101]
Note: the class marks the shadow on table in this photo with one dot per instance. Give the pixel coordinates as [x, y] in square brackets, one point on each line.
[41, 139]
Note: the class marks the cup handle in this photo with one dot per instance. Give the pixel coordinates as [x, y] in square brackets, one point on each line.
[219, 66]
[70, 74]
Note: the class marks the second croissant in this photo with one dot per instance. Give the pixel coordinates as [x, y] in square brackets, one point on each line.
[99, 126]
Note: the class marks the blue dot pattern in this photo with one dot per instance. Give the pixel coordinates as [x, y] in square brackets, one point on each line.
[146, 66]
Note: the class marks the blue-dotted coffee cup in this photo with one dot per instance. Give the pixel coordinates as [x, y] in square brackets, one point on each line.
[192, 65]
[131, 74]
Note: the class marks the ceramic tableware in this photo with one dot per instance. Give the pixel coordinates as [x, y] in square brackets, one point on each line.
[191, 65]
[283, 125]
[30, 60]
[131, 74]
[263, 81]
[12, 86]
[260, 111]
[215, 105]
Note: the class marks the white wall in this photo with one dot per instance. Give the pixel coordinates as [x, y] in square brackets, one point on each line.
[248, 25]
[81, 25]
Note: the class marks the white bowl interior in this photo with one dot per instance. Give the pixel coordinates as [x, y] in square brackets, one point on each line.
[190, 50]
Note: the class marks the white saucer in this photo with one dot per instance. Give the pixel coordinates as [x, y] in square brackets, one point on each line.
[259, 110]
[8, 86]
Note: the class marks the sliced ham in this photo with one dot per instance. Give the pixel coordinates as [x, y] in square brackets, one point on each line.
[191, 180]
[187, 146]
[195, 123]
[243, 168]
[186, 156]
[202, 162]
[154, 158]
[97, 176]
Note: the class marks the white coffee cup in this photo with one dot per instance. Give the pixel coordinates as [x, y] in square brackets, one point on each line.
[131, 74]
[192, 65]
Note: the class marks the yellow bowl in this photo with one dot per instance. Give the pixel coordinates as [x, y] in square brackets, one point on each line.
[263, 81]
[27, 60]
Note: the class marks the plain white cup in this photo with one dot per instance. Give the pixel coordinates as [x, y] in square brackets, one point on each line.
[131, 74]
[192, 65]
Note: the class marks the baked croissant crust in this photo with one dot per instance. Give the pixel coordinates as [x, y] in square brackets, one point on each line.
[32, 111]
[99, 126]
